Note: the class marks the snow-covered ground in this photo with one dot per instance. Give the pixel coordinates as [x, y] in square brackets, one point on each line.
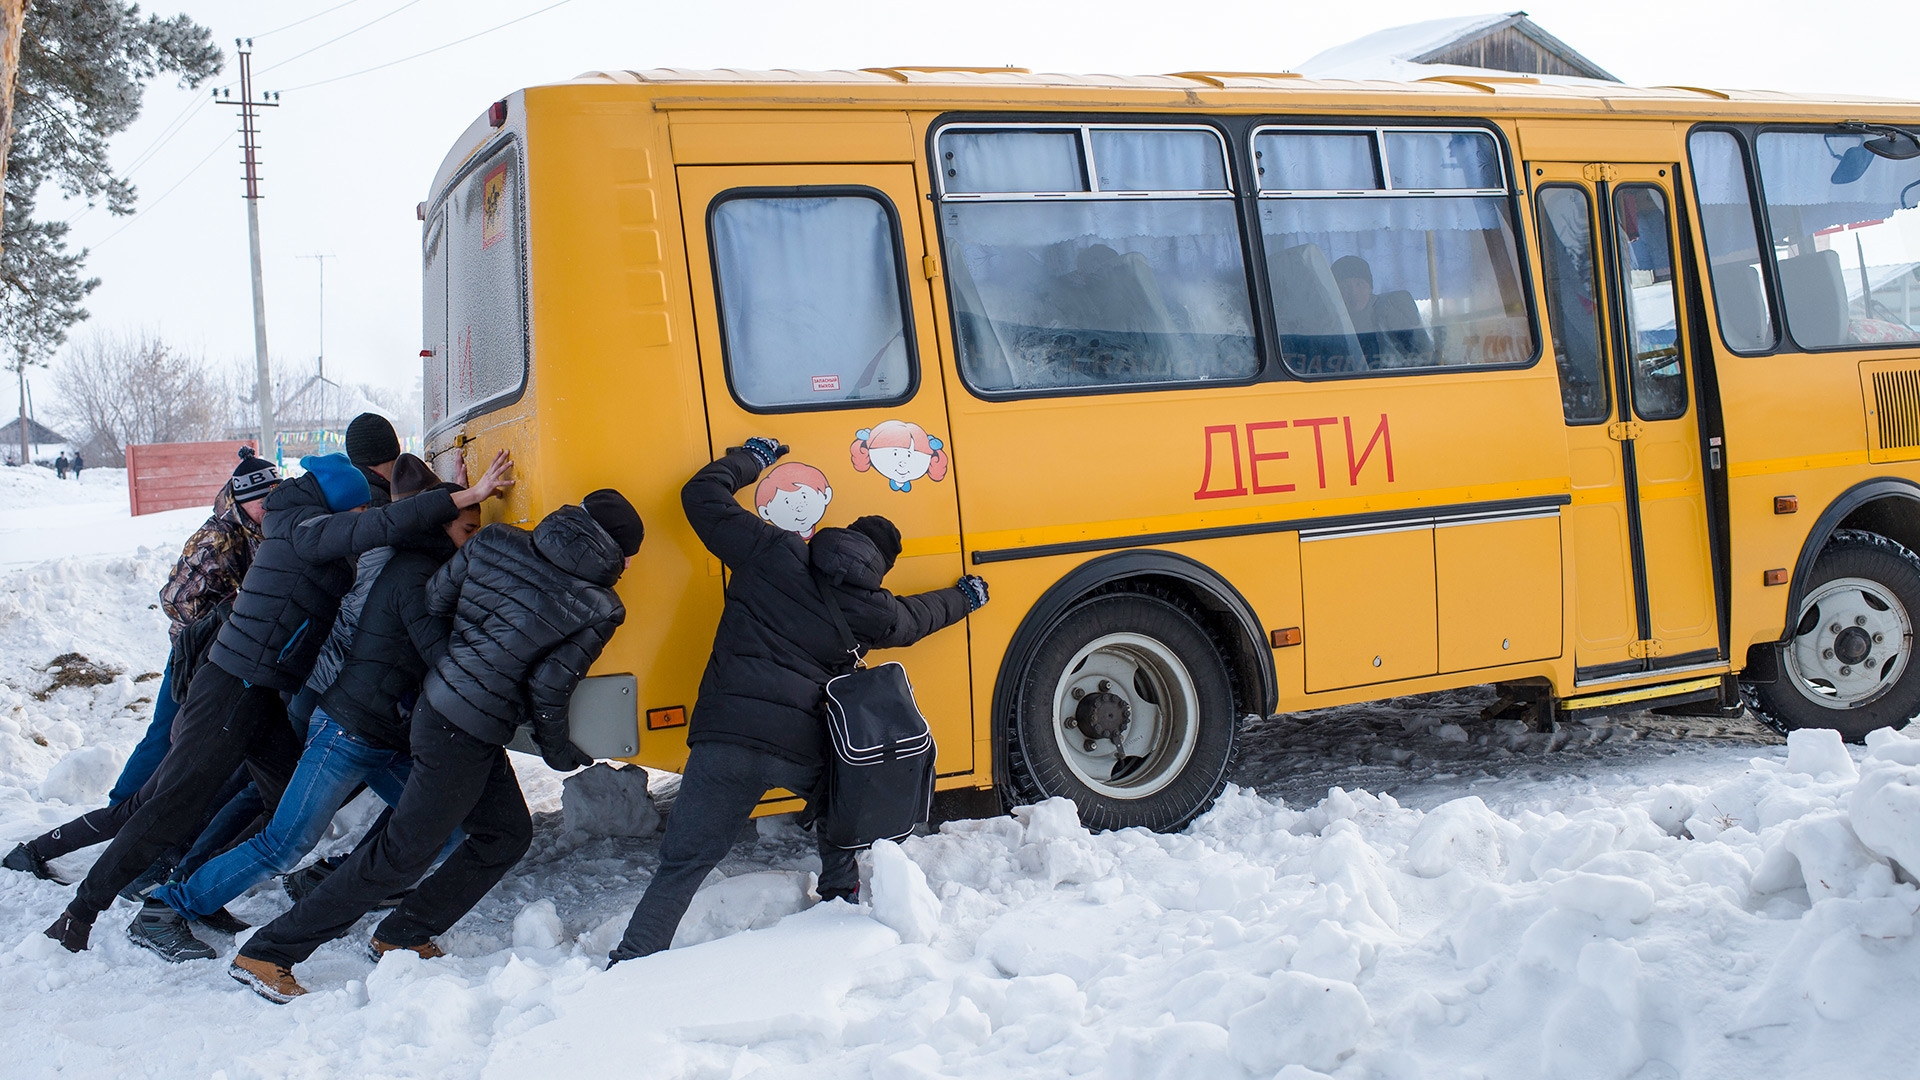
[1396, 890]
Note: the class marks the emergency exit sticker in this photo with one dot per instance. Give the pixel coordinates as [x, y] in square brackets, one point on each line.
[823, 384]
[493, 219]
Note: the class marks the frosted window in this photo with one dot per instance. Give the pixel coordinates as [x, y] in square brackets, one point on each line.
[433, 323]
[997, 161]
[1733, 242]
[486, 347]
[1098, 293]
[1344, 161]
[811, 304]
[1428, 160]
[1159, 161]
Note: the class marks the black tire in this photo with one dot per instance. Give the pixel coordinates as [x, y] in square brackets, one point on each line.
[1894, 574]
[1037, 765]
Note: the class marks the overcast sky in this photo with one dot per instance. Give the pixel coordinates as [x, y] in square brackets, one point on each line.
[345, 162]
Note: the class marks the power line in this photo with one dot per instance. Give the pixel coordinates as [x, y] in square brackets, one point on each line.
[163, 195]
[145, 157]
[308, 19]
[428, 52]
[340, 37]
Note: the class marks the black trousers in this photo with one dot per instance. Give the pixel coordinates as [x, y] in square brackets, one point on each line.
[721, 786]
[225, 722]
[458, 781]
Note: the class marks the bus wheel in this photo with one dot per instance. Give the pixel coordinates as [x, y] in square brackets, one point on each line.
[1849, 662]
[1127, 709]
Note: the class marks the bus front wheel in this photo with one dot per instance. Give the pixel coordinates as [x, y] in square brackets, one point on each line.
[1848, 662]
[1126, 707]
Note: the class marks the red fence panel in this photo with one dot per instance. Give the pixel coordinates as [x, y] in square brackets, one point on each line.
[168, 476]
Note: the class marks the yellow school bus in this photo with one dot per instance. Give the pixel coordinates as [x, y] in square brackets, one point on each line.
[1245, 392]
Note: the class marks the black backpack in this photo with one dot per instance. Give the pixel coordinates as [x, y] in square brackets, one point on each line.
[879, 783]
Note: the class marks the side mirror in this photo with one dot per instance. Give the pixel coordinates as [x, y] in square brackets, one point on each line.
[1894, 146]
[1853, 165]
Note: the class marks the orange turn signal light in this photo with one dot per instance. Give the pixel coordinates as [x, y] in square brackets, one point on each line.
[1775, 577]
[1285, 636]
[1786, 504]
[670, 717]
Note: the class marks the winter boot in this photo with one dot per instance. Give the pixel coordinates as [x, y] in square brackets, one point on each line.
[150, 879]
[164, 930]
[427, 950]
[269, 980]
[301, 883]
[23, 859]
[224, 922]
[71, 930]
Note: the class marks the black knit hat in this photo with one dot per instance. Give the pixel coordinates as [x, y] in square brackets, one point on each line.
[884, 534]
[616, 515]
[371, 441]
[253, 477]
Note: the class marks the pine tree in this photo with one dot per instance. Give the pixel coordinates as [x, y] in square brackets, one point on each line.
[83, 69]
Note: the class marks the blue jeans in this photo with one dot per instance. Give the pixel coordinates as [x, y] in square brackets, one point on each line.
[153, 745]
[334, 763]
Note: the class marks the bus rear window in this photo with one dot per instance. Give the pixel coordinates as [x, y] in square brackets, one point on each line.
[475, 274]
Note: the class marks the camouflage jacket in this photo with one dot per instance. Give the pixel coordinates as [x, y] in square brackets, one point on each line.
[212, 564]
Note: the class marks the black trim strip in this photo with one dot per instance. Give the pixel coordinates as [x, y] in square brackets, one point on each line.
[1423, 513]
[1685, 659]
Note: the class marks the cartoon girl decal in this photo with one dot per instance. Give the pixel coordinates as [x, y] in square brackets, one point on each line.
[793, 496]
[901, 451]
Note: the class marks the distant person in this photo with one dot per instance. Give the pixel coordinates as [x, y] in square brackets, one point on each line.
[235, 712]
[373, 447]
[531, 612]
[78, 464]
[758, 722]
[206, 577]
[1388, 324]
[60, 465]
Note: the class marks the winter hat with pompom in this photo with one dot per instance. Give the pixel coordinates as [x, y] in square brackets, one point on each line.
[253, 478]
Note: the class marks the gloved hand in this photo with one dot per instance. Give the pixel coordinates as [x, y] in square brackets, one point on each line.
[974, 588]
[764, 450]
[556, 749]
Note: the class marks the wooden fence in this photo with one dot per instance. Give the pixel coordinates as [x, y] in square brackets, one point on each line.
[168, 476]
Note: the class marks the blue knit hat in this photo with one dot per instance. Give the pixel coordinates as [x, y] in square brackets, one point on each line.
[341, 483]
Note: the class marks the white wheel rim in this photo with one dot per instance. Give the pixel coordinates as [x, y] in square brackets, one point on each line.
[1855, 649]
[1161, 706]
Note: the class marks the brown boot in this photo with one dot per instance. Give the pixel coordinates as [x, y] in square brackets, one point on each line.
[269, 980]
[426, 950]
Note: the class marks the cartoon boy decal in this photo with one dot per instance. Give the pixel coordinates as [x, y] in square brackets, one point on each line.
[793, 496]
[901, 451]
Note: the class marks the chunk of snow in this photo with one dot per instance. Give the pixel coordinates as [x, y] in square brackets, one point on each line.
[1604, 896]
[538, 926]
[901, 898]
[82, 775]
[1304, 1020]
[1884, 809]
[1459, 833]
[1819, 753]
[605, 801]
[744, 902]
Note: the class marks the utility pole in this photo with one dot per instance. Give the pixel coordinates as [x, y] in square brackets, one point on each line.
[249, 144]
[320, 264]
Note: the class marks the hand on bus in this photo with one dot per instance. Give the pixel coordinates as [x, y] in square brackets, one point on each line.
[493, 483]
[974, 588]
[764, 450]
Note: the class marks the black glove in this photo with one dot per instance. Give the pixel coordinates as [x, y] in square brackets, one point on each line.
[764, 450]
[556, 749]
[974, 588]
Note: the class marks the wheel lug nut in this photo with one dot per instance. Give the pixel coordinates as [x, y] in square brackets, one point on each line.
[1069, 723]
[1105, 686]
[1089, 746]
[1845, 670]
[1834, 629]
[1826, 654]
[1078, 693]
[1859, 620]
[1879, 638]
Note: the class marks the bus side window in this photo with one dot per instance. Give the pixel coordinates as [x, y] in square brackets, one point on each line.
[1573, 306]
[813, 298]
[1733, 241]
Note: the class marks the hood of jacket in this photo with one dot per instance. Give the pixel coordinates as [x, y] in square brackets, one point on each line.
[570, 539]
[846, 556]
[301, 492]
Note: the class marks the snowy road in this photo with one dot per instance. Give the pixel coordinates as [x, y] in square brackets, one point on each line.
[1651, 898]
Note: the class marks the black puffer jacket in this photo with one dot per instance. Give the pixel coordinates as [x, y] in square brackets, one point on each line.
[777, 644]
[292, 591]
[397, 640]
[531, 612]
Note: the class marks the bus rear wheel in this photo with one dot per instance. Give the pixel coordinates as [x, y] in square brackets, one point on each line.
[1848, 662]
[1127, 708]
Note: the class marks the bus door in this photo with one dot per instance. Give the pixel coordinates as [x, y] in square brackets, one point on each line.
[815, 327]
[1644, 597]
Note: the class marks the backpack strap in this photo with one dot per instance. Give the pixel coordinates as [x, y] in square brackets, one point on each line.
[847, 640]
